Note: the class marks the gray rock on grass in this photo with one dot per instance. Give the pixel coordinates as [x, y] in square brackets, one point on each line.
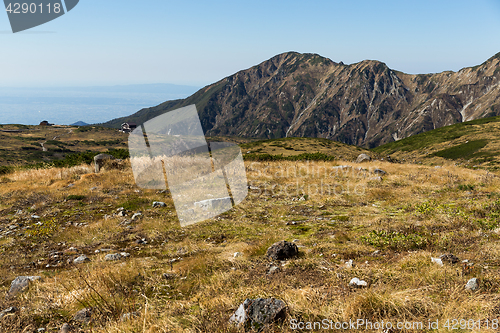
[20, 283]
[83, 316]
[81, 259]
[472, 284]
[282, 250]
[258, 313]
[363, 158]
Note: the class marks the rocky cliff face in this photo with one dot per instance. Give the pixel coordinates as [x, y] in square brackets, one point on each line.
[365, 104]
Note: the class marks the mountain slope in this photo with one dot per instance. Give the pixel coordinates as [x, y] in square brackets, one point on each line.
[364, 104]
[472, 143]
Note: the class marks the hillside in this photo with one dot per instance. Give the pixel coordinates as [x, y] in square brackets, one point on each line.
[474, 144]
[364, 104]
[99, 246]
[25, 145]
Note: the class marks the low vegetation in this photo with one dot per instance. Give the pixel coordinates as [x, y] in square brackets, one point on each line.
[189, 280]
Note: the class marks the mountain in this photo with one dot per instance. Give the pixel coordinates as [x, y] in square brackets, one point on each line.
[80, 123]
[364, 104]
[473, 143]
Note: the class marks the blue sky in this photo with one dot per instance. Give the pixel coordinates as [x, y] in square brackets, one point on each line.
[107, 42]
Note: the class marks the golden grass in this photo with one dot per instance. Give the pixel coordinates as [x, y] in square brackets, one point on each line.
[415, 213]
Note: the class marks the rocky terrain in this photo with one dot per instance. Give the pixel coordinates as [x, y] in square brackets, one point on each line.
[337, 240]
[364, 104]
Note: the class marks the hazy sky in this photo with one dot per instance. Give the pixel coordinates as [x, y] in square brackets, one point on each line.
[105, 42]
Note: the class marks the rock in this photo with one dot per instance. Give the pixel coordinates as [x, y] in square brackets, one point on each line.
[142, 241]
[273, 269]
[113, 256]
[66, 328]
[136, 215]
[99, 161]
[20, 283]
[41, 329]
[282, 250]
[214, 203]
[257, 313]
[122, 213]
[379, 172]
[472, 284]
[355, 282]
[83, 316]
[237, 254]
[363, 158]
[375, 253]
[125, 254]
[349, 263]
[81, 259]
[437, 261]
[159, 204]
[449, 258]
[7, 311]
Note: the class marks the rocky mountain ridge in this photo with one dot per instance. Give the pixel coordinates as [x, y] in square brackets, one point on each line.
[365, 104]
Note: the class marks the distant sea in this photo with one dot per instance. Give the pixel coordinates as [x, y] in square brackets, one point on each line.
[67, 105]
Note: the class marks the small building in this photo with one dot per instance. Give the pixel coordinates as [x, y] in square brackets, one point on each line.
[45, 123]
[128, 127]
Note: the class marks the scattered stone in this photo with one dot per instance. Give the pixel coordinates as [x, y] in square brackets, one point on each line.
[100, 159]
[20, 283]
[7, 311]
[136, 215]
[472, 284]
[81, 259]
[437, 261]
[349, 264]
[379, 172]
[122, 213]
[449, 258]
[35, 216]
[237, 254]
[66, 328]
[363, 158]
[282, 250]
[113, 256]
[41, 329]
[355, 282]
[273, 269]
[257, 313]
[159, 204]
[83, 316]
[125, 254]
[141, 241]
[375, 253]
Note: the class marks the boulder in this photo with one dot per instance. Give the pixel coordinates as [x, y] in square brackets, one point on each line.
[20, 283]
[83, 316]
[379, 172]
[282, 250]
[449, 258]
[355, 282]
[257, 313]
[472, 284]
[159, 204]
[66, 328]
[363, 158]
[100, 159]
[81, 259]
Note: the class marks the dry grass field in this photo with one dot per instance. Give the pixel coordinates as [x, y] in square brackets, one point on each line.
[189, 279]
